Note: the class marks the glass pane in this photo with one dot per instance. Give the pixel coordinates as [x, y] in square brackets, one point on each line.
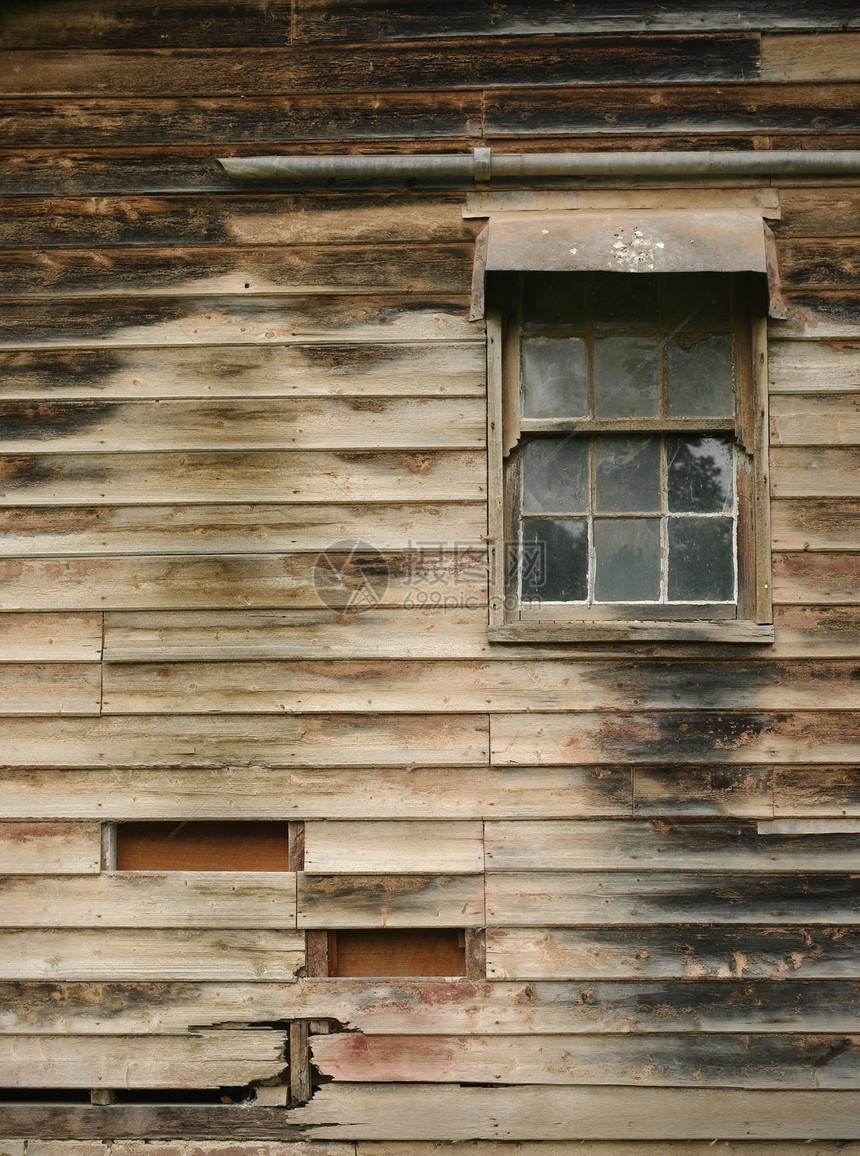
[553, 299]
[701, 560]
[698, 300]
[628, 559]
[627, 474]
[701, 475]
[555, 475]
[554, 559]
[700, 376]
[626, 377]
[555, 377]
[625, 300]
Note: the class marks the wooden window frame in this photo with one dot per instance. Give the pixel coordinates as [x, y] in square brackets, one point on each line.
[750, 620]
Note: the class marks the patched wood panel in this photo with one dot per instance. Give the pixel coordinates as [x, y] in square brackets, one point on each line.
[393, 847]
[819, 57]
[50, 848]
[390, 901]
[50, 688]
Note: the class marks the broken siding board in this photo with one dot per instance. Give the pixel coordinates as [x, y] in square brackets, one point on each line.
[807, 524]
[439, 686]
[205, 1060]
[50, 688]
[663, 846]
[816, 792]
[703, 792]
[235, 529]
[409, 369]
[86, 122]
[245, 899]
[414, 792]
[326, 424]
[686, 953]
[661, 897]
[800, 366]
[49, 848]
[215, 742]
[816, 420]
[263, 580]
[393, 847]
[48, 637]
[748, 1061]
[390, 901]
[741, 737]
[151, 954]
[805, 577]
[818, 57]
[84, 479]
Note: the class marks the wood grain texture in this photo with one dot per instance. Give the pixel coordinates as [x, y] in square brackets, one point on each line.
[803, 366]
[820, 57]
[825, 421]
[816, 578]
[393, 847]
[50, 848]
[151, 954]
[50, 688]
[738, 792]
[334, 901]
[817, 792]
[814, 525]
[51, 637]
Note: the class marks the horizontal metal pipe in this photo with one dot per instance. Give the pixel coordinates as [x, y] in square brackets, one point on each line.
[481, 166]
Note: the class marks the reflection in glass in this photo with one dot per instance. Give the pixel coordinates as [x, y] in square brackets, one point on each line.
[698, 300]
[555, 377]
[701, 560]
[625, 300]
[626, 377]
[628, 559]
[554, 559]
[700, 376]
[555, 475]
[551, 300]
[627, 474]
[701, 474]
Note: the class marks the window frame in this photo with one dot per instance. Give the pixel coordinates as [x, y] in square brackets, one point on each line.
[747, 621]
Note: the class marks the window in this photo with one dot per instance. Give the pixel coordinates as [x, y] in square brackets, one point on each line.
[628, 456]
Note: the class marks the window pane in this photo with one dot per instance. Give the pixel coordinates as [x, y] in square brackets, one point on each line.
[555, 475]
[555, 377]
[626, 377]
[698, 300]
[625, 300]
[700, 376]
[627, 472]
[553, 299]
[701, 475]
[554, 559]
[701, 560]
[628, 559]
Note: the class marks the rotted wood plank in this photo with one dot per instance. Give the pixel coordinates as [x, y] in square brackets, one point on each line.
[740, 737]
[801, 366]
[463, 64]
[436, 1006]
[817, 420]
[50, 688]
[687, 953]
[663, 845]
[741, 792]
[439, 686]
[415, 792]
[138, 1124]
[50, 637]
[409, 369]
[728, 1061]
[86, 122]
[50, 848]
[224, 741]
[152, 954]
[661, 897]
[823, 524]
[264, 580]
[393, 847]
[810, 211]
[212, 269]
[390, 901]
[819, 263]
[816, 577]
[85, 479]
[207, 1059]
[282, 319]
[819, 57]
[244, 899]
[324, 424]
[816, 792]
[236, 529]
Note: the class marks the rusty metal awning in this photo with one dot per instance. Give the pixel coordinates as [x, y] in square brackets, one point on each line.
[620, 242]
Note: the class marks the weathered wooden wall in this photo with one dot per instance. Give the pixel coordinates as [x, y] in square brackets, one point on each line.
[203, 387]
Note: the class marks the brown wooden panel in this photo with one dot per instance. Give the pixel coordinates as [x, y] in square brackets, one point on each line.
[820, 263]
[202, 846]
[810, 211]
[397, 952]
[819, 57]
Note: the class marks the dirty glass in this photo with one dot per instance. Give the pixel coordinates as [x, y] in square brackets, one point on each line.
[627, 474]
[700, 376]
[555, 377]
[625, 301]
[626, 377]
[554, 559]
[627, 559]
[701, 560]
[701, 474]
[555, 475]
[551, 300]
